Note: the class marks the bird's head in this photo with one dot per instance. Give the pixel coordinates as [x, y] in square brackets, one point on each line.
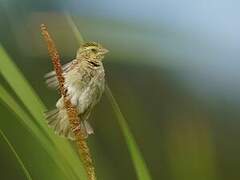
[91, 51]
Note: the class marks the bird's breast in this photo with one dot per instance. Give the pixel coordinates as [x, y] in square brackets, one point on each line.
[85, 87]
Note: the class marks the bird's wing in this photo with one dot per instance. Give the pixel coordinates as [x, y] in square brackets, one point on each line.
[51, 79]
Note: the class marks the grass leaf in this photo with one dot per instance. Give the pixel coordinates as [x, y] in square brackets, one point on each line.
[27, 174]
[25, 119]
[138, 161]
[19, 84]
[74, 28]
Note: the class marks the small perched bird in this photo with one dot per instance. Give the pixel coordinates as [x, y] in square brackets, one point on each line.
[84, 82]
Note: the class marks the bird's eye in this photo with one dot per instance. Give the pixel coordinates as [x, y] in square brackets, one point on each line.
[94, 50]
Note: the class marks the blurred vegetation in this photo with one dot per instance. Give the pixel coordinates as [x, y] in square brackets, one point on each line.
[181, 133]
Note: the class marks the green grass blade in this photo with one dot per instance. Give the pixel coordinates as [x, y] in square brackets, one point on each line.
[25, 171]
[74, 28]
[138, 161]
[26, 120]
[17, 109]
[24, 91]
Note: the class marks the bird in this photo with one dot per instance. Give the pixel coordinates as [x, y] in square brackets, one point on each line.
[85, 83]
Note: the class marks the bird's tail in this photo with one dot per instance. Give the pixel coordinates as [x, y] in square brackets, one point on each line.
[58, 120]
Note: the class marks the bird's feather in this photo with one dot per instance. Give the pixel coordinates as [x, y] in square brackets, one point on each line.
[51, 78]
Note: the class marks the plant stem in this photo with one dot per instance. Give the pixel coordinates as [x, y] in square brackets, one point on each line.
[74, 120]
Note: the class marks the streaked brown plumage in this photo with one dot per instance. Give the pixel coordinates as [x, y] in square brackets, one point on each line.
[84, 81]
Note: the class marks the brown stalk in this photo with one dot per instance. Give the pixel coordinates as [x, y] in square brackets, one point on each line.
[74, 120]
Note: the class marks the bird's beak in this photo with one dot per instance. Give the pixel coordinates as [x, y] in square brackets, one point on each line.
[104, 51]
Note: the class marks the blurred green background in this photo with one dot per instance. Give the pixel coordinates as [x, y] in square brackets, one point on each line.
[173, 68]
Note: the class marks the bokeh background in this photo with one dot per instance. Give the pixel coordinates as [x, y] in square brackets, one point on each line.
[173, 68]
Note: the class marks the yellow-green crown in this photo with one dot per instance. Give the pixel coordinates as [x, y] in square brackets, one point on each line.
[89, 44]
